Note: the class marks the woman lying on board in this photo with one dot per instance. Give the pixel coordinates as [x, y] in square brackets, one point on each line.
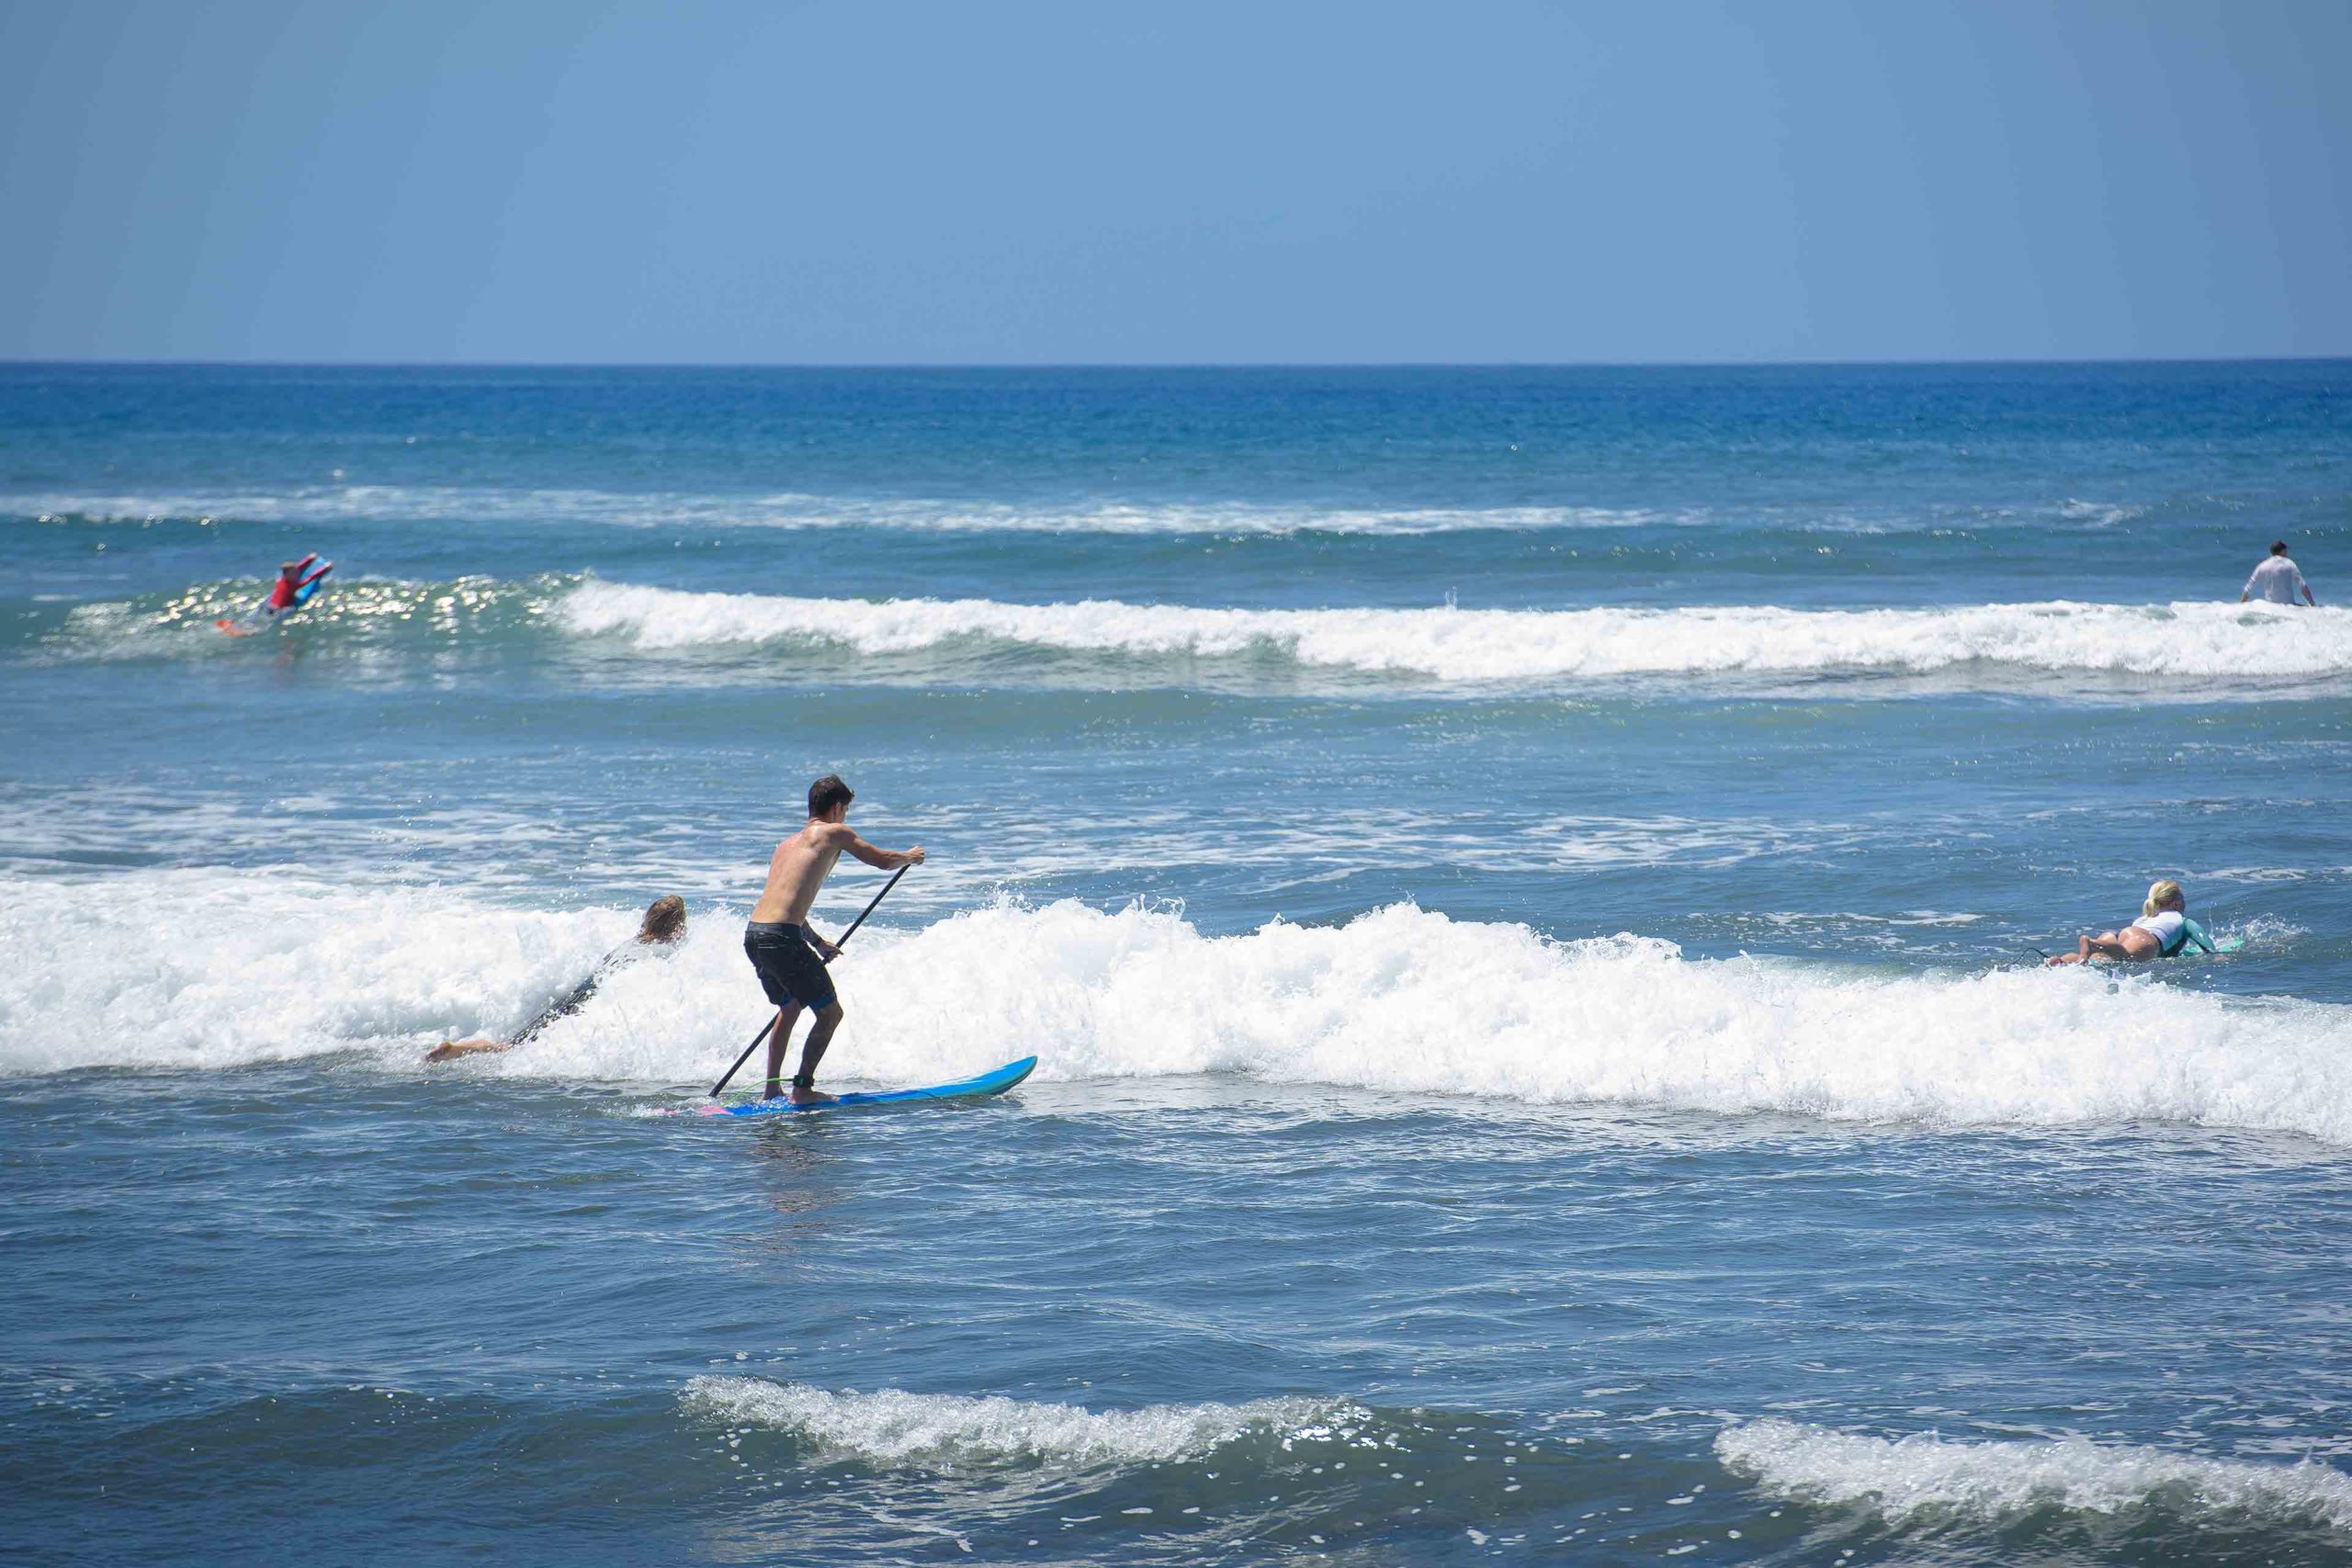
[2163, 931]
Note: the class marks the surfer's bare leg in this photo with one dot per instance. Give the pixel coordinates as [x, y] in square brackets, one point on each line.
[804, 1090]
[779, 1037]
[2128, 945]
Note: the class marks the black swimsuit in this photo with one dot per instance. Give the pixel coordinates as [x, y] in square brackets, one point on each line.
[789, 968]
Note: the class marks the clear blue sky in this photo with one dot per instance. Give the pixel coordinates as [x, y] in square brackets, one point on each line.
[571, 181]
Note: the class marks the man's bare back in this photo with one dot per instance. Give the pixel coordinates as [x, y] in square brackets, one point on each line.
[798, 869]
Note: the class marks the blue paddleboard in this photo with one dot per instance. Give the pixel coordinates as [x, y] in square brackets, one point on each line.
[981, 1087]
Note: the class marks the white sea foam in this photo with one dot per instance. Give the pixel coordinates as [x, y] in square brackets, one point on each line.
[363, 502]
[1990, 1480]
[2100, 514]
[199, 969]
[206, 969]
[345, 503]
[2203, 641]
[954, 1432]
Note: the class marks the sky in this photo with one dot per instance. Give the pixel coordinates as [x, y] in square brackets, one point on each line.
[1636, 181]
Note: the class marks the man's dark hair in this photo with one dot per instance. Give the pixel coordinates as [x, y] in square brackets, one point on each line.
[2279, 549]
[828, 792]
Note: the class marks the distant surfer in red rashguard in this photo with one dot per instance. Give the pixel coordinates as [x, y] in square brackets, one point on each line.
[290, 592]
[292, 588]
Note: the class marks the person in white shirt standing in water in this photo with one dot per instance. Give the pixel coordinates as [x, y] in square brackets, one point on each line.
[2278, 580]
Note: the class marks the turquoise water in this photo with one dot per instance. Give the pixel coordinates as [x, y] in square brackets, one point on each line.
[1523, 885]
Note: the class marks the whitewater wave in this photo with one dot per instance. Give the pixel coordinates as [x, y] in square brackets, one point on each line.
[206, 968]
[1901, 1477]
[956, 1432]
[644, 630]
[1399, 999]
[2196, 640]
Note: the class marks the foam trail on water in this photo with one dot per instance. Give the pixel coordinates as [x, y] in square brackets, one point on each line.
[1991, 1480]
[1399, 999]
[2182, 640]
[788, 510]
[955, 1432]
[677, 510]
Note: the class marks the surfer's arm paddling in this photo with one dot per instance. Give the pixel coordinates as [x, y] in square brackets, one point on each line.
[788, 957]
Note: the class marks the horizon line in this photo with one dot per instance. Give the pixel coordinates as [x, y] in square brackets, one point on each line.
[126, 362]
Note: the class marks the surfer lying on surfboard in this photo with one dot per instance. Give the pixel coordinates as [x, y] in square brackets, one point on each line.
[290, 592]
[292, 588]
[2163, 931]
[665, 925]
[787, 956]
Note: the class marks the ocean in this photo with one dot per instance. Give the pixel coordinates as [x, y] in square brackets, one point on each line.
[1525, 885]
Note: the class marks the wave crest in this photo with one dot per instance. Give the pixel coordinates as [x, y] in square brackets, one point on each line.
[2202, 641]
[959, 1432]
[1901, 1477]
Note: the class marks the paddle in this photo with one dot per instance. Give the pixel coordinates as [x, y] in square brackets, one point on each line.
[769, 1024]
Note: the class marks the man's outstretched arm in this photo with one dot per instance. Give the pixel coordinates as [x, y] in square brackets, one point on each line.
[880, 859]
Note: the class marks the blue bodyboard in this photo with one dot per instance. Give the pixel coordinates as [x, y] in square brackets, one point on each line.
[981, 1087]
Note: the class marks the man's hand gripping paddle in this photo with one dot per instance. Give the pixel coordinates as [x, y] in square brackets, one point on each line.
[769, 1024]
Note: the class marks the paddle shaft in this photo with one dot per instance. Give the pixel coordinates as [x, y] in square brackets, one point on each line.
[769, 1024]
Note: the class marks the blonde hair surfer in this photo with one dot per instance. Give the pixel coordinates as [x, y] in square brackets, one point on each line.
[2163, 931]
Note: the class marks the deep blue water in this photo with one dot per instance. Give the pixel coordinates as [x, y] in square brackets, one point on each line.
[1524, 884]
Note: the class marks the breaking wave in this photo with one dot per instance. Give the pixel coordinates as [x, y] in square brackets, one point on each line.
[1399, 999]
[2196, 640]
[956, 1432]
[1989, 1482]
[647, 630]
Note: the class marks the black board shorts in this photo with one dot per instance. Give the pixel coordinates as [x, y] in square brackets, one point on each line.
[789, 968]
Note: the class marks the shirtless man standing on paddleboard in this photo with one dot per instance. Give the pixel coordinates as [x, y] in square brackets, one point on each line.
[790, 958]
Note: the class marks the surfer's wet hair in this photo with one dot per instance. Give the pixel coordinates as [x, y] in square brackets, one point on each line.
[828, 792]
[664, 918]
[2279, 549]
